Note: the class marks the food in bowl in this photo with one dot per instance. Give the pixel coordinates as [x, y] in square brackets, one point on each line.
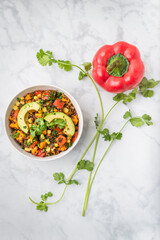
[44, 122]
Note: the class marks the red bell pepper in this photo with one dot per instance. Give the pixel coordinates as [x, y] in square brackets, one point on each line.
[75, 136]
[33, 144]
[40, 153]
[118, 68]
[15, 115]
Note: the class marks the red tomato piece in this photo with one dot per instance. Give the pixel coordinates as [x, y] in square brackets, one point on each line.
[58, 103]
[37, 93]
[45, 95]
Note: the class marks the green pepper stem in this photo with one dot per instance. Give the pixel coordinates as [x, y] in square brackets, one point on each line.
[90, 185]
[116, 63]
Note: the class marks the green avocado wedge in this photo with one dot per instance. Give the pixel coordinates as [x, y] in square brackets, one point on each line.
[32, 106]
[69, 128]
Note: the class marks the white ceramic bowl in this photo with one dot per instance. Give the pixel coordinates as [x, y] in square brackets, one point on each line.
[32, 89]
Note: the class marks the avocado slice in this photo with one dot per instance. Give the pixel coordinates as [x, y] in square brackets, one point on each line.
[32, 106]
[69, 128]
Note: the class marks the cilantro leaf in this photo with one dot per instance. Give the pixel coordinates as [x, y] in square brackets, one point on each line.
[42, 205]
[126, 98]
[45, 58]
[46, 195]
[38, 128]
[72, 182]
[96, 120]
[87, 66]
[147, 119]
[120, 96]
[85, 164]
[33, 133]
[127, 115]
[81, 75]
[61, 123]
[145, 85]
[136, 121]
[108, 137]
[15, 135]
[117, 136]
[66, 65]
[58, 176]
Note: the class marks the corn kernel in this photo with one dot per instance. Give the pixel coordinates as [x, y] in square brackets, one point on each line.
[39, 95]
[35, 98]
[42, 136]
[27, 149]
[48, 149]
[15, 107]
[29, 141]
[30, 120]
[65, 110]
[56, 144]
[30, 125]
[22, 98]
[17, 103]
[44, 109]
[49, 132]
[22, 102]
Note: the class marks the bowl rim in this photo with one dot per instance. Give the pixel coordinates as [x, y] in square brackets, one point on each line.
[34, 88]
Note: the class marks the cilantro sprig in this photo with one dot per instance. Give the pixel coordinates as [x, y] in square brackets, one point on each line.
[37, 128]
[59, 178]
[41, 125]
[87, 67]
[144, 89]
[15, 135]
[108, 137]
[85, 164]
[42, 205]
[138, 121]
[146, 85]
[45, 58]
[61, 123]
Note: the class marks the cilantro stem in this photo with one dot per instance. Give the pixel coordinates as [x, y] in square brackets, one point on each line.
[90, 185]
[75, 168]
[46, 203]
[100, 100]
[94, 153]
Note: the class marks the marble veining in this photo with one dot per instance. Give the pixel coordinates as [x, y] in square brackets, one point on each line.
[124, 200]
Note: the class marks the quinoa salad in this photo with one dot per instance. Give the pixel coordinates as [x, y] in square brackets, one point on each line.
[44, 122]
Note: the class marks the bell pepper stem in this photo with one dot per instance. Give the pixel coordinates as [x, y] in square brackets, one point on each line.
[116, 63]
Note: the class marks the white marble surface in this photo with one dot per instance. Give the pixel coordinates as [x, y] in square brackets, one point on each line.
[125, 198]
